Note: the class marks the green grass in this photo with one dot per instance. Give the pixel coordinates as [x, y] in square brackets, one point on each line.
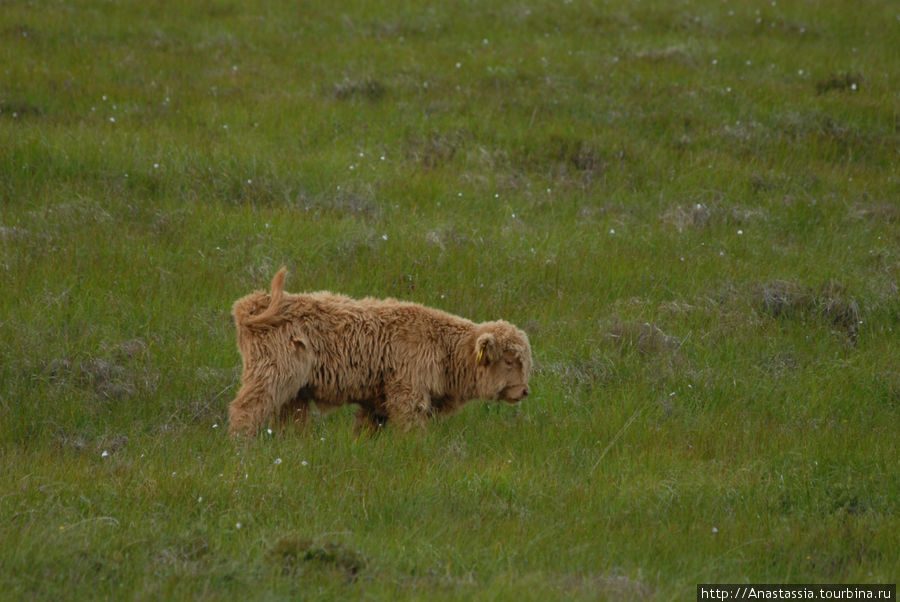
[691, 207]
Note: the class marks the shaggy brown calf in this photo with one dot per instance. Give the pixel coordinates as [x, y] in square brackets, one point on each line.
[396, 360]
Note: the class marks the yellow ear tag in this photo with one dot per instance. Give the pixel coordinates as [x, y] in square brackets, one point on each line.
[479, 355]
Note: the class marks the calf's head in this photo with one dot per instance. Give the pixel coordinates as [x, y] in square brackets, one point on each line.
[502, 358]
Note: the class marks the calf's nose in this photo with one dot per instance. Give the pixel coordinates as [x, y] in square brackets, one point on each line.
[525, 392]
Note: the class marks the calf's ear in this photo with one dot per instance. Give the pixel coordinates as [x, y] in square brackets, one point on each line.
[486, 349]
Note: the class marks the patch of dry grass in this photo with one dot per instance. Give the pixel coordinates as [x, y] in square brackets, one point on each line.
[829, 302]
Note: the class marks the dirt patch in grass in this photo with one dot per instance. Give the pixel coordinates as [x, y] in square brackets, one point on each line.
[293, 553]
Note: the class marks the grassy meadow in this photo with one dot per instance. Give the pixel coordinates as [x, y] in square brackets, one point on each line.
[692, 207]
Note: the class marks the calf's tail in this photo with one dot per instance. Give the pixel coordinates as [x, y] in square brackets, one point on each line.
[271, 315]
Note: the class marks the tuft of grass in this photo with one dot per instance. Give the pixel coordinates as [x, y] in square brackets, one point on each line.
[367, 89]
[841, 82]
[829, 302]
[290, 553]
[646, 337]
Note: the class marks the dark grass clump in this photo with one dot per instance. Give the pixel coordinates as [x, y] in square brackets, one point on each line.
[365, 89]
[580, 155]
[877, 212]
[644, 337]
[19, 108]
[432, 151]
[351, 200]
[683, 217]
[107, 378]
[569, 158]
[293, 553]
[829, 302]
[698, 216]
[188, 553]
[115, 376]
[840, 82]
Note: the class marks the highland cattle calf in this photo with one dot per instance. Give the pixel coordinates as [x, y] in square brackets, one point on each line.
[397, 361]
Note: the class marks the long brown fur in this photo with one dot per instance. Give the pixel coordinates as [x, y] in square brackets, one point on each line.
[398, 361]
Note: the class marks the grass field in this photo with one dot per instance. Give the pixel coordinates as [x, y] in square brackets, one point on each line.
[693, 208]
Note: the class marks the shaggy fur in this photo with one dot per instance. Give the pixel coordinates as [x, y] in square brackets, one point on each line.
[398, 361]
